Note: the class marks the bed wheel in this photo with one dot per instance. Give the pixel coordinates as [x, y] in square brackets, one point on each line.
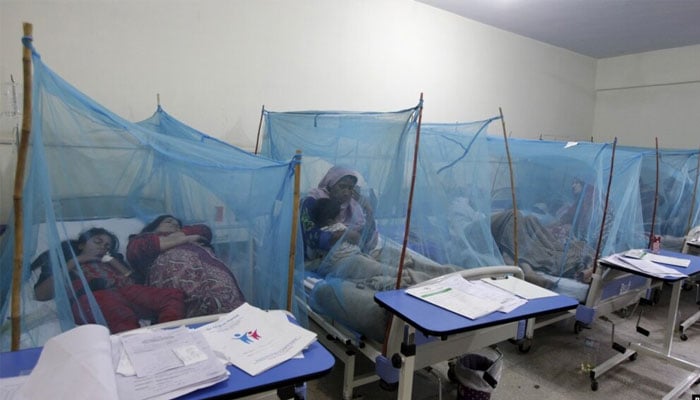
[624, 312]
[594, 385]
[633, 357]
[525, 345]
[578, 327]
[684, 337]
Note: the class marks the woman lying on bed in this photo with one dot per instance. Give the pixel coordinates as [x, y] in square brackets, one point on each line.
[170, 255]
[556, 248]
[122, 302]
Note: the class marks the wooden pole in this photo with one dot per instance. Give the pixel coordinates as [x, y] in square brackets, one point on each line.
[512, 191]
[295, 224]
[605, 208]
[407, 227]
[257, 139]
[656, 198]
[19, 186]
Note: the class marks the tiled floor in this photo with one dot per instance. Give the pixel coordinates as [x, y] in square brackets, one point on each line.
[552, 368]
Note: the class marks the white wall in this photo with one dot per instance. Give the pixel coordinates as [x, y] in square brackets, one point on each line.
[215, 63]
[650, 95]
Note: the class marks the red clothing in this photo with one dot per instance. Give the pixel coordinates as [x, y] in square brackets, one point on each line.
[122, 302]
[123, 307]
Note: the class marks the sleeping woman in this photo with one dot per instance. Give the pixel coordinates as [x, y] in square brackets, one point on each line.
[560, 247]
[170, 255]
[122, 301]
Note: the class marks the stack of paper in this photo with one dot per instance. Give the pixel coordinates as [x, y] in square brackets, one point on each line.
[643, 265]
[642, 254]
[164, 364]
[255, 340]
[471, 299]
[81, 364]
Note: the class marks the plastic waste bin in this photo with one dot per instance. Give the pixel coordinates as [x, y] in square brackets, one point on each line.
[478, 374]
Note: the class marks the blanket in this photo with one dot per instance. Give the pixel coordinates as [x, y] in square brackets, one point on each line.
[541, 246]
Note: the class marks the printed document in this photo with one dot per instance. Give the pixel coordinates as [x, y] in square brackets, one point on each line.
[644, 266]
[520, 288]
[165, 363]
[80, 364]
[657, 258]
[463, 297]
[255, 340]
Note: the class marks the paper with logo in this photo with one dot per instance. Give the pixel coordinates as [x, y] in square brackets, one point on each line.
[255, 340]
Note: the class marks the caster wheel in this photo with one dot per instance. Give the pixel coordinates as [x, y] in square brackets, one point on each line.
[525, 345]
[684, 337]
[578, 327]
[633, 357]
[594, 385]
[623, 312]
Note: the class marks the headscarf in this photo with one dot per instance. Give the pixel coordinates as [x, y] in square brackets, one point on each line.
[351, 213]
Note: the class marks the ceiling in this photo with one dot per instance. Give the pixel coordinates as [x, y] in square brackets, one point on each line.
[596, 28]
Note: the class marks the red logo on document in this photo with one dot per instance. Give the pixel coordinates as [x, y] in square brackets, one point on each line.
[248, 337]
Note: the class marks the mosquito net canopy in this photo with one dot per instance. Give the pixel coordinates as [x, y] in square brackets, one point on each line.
[669, 195]
[88, 168]
[374, 217]
[572, 203]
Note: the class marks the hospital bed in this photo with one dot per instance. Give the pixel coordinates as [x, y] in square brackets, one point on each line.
[40, 319]
[691, 246]
[347, 343]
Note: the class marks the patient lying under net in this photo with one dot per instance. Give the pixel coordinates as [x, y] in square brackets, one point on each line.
[541, 254]
[171, 255]
[122, 301]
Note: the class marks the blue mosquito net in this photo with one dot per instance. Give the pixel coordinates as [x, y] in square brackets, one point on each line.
[566, 216]
[88, 168]
[670, 195]
[451, 210]
[360, 167]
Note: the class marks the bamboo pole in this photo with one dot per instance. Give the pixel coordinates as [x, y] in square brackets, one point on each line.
[512, 190]
[257, 139]
[656, 198]
[605, 208]
[692, 201]
[19, 185]
[295, 224]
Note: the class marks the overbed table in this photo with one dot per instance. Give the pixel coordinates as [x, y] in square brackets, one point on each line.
[282, 378]
[455, 334]
[663, 353]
